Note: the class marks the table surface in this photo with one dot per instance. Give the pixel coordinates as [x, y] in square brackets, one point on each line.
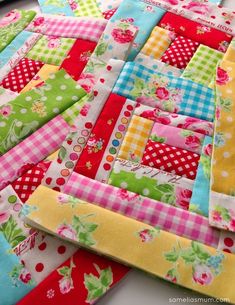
[137, 288]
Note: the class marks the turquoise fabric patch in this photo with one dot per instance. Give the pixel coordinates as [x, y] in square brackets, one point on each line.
[56, 7]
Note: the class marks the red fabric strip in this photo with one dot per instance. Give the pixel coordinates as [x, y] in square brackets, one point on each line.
[171, 159]
[83, 270]
[92, 154]
[21, 74]
[204, 35]
[78, 57]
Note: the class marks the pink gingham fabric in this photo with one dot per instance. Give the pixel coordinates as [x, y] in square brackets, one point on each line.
[35, 148]
[81, 27]
[155, 213]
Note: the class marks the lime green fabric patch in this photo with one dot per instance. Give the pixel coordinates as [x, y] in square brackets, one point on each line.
[51, 50]
[86, 8]
[29, 111]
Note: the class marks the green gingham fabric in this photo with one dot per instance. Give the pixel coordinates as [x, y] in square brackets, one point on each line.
[51, 50]
[87, 8]
[202, 65]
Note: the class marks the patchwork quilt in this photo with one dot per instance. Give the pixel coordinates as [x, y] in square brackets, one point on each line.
[116, 148]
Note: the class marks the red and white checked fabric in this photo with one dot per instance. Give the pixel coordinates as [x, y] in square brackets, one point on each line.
[21, 74]
[108, 14]
[171, 159]
[180, 52]
[61, 26]
[27, 184]
[32, 150]
[164, 216]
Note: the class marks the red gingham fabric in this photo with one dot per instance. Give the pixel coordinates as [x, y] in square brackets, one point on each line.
[26, 184]
[108, 14]
[21, 74]
[171, 159]
[180, 52]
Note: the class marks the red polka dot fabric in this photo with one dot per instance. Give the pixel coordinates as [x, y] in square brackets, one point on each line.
[21, 74]
[26, 184]
[171, 159]
[180, 52]
[108, 14]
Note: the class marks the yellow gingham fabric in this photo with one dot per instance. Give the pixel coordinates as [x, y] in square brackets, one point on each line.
[136, 138]
[158, 42]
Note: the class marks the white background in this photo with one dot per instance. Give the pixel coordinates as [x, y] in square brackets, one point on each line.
[137, 288]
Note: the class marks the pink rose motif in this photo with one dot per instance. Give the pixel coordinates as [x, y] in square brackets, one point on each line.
[67, 231]
[38, 21]
[123, 194]
[146, 100]
[162, 93]
[86, 81]
[207, 150]
[5, 111]
[65, 285]
[193, 142]
[25, 276]
[128, 20]
[155, 115]
[197, 125]
[216, 216]
[172, 2]
[122, 36]
[183, 197]
[53, 43]
[202, 275]
[63, 198]
[73, 5]
[222, 77]
[4, 216]
[85, 109]
[198, 7]
[146, 235]
[170, 277]
[11, 17]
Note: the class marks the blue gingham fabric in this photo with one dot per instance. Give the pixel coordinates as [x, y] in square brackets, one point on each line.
[198, 101]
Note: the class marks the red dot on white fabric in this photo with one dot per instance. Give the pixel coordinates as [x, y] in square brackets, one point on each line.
[39, 267]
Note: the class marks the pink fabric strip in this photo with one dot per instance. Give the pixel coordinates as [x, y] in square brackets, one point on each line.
[81, 27]
[35, 148]
[174, 220]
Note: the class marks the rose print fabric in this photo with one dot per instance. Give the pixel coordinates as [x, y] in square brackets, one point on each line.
[78, 57]
[135, 139]
[178, 137]
[199, 202]
[6, 96]
[191, 29]
[180, 52]
[203, 65]
[12, 24]
[85, 8]
[136, 14]
[51, 49]
[158, 42]
[222, 194]
[21, 74]
[82, 279]
[171, 159]
[15, 280]
[136, 240]
[176, 95]
[59, 7]
[40, 106]
[173, 119]
[151, 183]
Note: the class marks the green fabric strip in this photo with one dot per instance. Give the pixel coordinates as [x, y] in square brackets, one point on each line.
[12, 24]
[32, 109]
[86, 8]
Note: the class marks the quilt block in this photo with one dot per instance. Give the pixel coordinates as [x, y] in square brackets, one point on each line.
[116, 148]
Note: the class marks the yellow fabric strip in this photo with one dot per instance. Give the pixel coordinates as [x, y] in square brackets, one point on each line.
[136, 138]
[160, 253]
[41, 76]
[158, 42]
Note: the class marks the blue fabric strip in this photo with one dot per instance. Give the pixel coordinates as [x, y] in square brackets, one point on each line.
[142, 15]
[56, 7]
